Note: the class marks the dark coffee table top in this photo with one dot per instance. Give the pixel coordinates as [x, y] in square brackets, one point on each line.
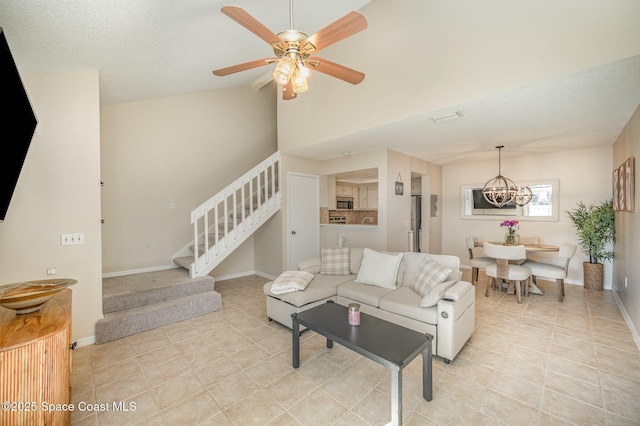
[382, 341]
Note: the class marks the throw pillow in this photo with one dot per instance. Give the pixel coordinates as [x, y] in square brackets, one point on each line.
[290, 281]
[427, 283]
[334, 261]
[379, 269]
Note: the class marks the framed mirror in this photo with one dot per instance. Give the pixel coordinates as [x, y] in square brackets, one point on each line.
[544, 205]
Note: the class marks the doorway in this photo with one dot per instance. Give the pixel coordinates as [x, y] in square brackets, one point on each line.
[303, 211]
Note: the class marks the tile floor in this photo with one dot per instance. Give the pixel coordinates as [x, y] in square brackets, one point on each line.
[538, 363]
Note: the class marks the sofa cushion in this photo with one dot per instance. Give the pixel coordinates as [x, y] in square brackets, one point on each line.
[435, 294]
[412, 260]
[430, 273]
[363, 293]
[379, 269]
[406, 302]
[321, 287]
[310, 265]
[290, 281]
[334, 261]
[355, 259]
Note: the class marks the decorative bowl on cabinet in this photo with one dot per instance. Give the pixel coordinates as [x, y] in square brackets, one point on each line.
[29, 296]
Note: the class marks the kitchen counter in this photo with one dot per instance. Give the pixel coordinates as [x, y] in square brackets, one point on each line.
[349, 217]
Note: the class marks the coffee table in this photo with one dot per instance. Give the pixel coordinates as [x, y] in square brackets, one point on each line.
[384, 342]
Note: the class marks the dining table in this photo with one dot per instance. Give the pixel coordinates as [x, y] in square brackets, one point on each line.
[531, 249]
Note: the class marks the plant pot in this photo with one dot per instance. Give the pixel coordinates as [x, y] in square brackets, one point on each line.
[593, 275]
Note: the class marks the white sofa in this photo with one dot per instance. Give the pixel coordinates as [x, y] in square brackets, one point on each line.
[450, 321]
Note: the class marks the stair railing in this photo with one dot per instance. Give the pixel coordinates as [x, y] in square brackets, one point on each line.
[227, 219]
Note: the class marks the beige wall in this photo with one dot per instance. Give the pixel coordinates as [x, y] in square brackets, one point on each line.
[182, 150]
[437, 43]
[59, 192]
[393, 210]
[584, 175]
[355, 236]
[627, 247]
[434, 172]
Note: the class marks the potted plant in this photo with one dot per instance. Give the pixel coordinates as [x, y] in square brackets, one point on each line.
[595, 224]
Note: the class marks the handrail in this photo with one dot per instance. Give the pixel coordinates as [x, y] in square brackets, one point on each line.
[236, 212]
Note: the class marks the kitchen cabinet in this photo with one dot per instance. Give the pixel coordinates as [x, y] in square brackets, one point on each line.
[343, 190]
[368, 197]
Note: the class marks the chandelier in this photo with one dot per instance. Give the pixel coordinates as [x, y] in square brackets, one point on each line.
[501, 191]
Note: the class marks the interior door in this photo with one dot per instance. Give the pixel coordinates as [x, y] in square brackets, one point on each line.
[303, 212]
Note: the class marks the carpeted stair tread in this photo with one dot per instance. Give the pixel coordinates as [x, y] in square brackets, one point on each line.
[185, 262]
[131, 291]
[116, 325]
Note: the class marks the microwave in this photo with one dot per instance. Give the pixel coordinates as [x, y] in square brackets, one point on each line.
[344, 203]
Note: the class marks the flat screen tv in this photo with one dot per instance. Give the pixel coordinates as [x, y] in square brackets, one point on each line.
[18, 124]
[479, 202]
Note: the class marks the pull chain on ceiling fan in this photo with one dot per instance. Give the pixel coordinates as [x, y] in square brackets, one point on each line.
[293, 50]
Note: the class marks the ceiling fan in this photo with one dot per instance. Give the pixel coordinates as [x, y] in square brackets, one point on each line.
[293, 50]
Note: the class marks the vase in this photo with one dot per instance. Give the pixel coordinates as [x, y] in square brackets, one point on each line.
[511, 239]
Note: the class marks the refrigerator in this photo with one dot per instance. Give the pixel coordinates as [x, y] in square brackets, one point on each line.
[416, 221]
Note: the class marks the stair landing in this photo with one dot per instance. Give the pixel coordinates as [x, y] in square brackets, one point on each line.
[140, 302]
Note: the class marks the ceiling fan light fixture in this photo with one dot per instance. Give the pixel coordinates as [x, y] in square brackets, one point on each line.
[284, 70]
[293, 49]
[299, 82]
[304, 71]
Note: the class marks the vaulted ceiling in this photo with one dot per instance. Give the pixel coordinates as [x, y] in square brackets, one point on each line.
[147, 48]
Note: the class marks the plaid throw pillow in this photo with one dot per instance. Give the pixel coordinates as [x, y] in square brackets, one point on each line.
[334, 261]
[426, 283]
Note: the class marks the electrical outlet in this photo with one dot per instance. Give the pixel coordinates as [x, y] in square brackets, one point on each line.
[625, 282]
[51, 271]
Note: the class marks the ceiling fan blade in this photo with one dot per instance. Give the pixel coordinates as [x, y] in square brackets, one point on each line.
[335, 70]
[351, 23]
[243, 18]
[241, 67]
[287, 91]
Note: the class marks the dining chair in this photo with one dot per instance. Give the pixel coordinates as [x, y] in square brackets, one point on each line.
[505, 269]
[476, 263]
[557, 270]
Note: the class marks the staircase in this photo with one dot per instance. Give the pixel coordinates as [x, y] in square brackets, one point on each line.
[135, 303]
[139, 302]
[227, 219]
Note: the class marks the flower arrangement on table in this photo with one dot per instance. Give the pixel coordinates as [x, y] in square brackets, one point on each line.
[512, 225]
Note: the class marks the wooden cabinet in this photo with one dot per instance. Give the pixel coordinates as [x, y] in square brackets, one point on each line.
[343, 190]
[35, 363]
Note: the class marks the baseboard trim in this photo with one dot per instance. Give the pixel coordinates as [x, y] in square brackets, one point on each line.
[140, 271]
[85, 341]
[244, 274]
[627, 319]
